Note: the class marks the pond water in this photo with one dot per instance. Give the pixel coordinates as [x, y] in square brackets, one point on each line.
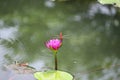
[91, 42]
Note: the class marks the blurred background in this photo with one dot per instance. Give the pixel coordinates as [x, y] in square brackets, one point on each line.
[91, 37]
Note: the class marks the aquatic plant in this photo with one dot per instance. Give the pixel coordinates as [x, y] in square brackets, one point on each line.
[116, 3]
[54, 44]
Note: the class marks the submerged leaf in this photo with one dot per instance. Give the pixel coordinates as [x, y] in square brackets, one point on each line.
[53, 75]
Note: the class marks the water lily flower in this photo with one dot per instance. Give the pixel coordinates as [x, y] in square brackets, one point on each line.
[54, 44]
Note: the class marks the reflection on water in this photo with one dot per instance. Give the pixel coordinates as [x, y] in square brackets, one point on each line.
[93, 37]
[7, 75]
[97, 8]
[109, 70]
[8, 34]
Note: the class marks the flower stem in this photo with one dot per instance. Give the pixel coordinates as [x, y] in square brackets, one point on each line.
[56, 63]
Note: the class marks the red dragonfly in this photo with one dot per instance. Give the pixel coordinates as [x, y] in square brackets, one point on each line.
[61, 36]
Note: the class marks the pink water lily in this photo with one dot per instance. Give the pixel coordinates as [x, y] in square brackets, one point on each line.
[54, 44]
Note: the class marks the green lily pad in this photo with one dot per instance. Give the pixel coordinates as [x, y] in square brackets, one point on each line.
[53, 75]
[114, 2]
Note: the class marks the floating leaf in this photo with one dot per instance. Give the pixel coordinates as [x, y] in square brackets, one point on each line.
[53, 75]
[114, 2]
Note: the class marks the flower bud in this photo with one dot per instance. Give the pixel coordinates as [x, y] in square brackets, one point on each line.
[53, 44]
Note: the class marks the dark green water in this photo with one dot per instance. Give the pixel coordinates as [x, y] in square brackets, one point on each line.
[92, 37]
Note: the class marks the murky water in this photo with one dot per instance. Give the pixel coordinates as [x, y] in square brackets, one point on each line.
[92, 41]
